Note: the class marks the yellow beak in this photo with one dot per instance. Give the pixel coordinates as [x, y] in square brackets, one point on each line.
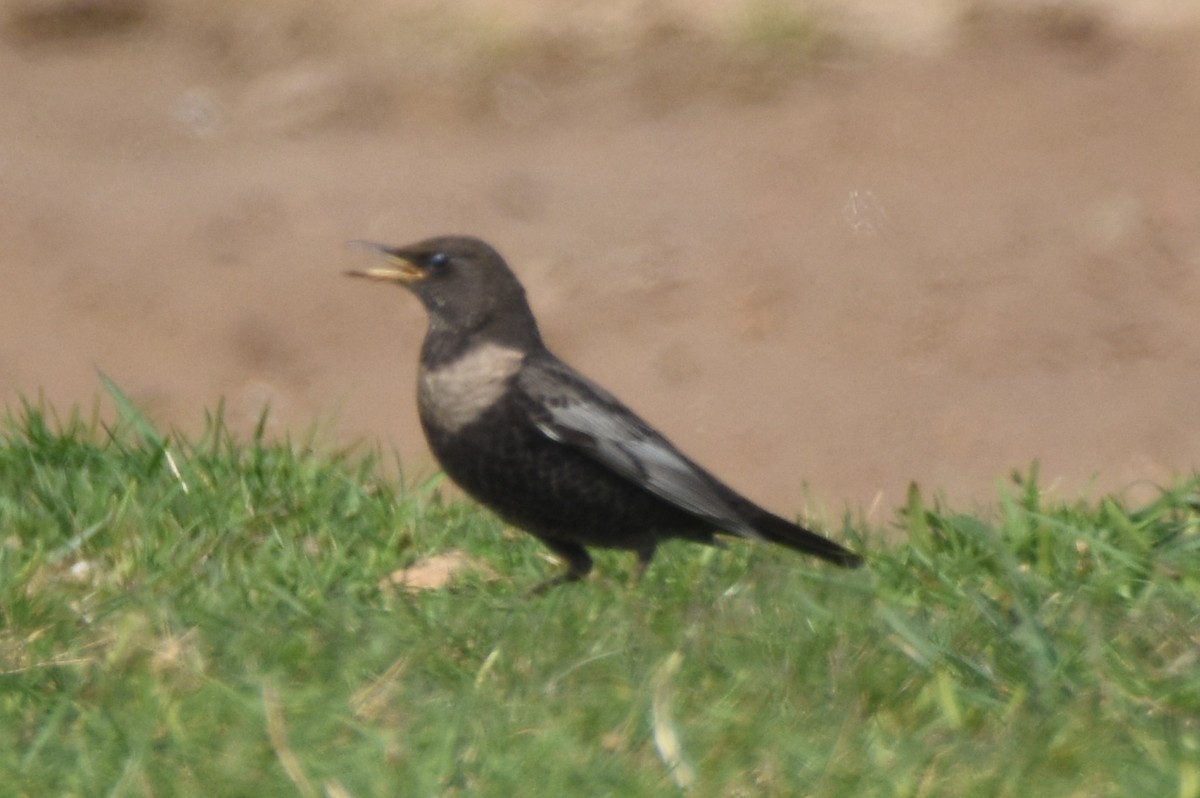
[396, 270]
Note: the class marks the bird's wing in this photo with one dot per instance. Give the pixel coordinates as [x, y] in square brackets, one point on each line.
[576, 412]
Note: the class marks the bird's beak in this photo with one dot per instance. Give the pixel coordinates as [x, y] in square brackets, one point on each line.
[397, 269]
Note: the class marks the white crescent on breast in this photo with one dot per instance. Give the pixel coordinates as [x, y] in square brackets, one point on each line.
[457, 393]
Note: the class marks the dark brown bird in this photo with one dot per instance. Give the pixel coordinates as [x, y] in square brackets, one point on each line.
[541, 445]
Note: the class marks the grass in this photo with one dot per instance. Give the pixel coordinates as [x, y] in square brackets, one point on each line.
[211, 617]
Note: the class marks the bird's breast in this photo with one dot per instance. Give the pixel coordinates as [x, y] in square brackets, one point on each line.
[454, 394]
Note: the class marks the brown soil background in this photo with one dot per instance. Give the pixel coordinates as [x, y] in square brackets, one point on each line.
[825, 260]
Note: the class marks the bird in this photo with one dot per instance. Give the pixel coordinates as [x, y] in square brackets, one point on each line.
[545, 448]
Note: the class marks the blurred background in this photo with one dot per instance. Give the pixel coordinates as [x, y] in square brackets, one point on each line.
[829, 247]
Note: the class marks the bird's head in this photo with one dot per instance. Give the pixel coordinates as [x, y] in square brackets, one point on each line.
[464, 284]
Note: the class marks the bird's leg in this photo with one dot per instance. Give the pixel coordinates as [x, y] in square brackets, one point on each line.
[579, 565]
[644, 555]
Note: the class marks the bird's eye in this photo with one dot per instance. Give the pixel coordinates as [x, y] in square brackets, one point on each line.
[437, 260]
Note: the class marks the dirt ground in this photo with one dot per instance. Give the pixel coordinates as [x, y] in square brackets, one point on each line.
[824, 275]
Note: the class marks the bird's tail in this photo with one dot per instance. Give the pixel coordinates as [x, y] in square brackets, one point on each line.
[777, 530]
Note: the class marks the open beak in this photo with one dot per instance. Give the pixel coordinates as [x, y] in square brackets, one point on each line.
[396, 268]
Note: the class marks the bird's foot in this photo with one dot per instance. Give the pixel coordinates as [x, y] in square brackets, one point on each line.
[546, 585]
